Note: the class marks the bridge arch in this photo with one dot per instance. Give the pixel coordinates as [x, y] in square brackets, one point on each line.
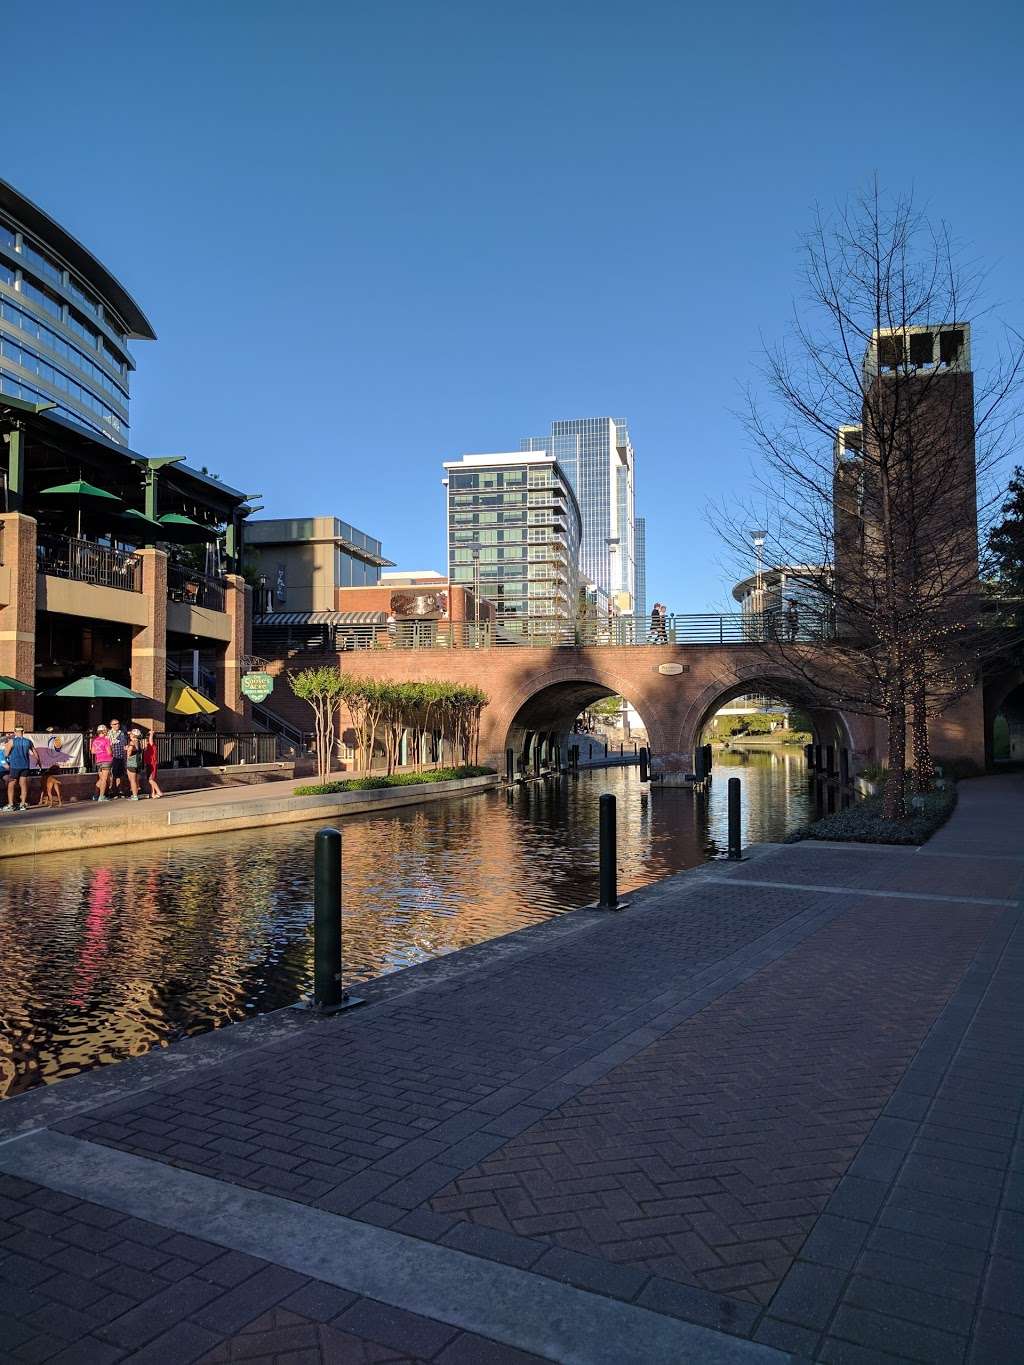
[830, 725]
[550, 701]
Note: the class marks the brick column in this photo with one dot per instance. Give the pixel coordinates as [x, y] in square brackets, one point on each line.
[17, 615]
[236, 712]
[149, 644]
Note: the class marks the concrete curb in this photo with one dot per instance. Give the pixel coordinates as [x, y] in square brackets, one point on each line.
[146, 821]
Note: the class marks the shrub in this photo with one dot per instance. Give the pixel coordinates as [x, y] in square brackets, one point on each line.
[368, 784]
[863, 823]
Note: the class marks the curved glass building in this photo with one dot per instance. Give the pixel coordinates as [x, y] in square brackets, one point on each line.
[65, 322]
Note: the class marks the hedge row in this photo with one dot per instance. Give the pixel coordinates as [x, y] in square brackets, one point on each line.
[369, 784]
[862, 823]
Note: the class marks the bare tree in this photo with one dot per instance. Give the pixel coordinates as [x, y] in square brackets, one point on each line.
[877, 455]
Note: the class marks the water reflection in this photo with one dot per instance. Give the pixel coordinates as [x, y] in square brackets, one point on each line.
[108, 953]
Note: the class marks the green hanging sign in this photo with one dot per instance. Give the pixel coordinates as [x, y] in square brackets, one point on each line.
[257, 687]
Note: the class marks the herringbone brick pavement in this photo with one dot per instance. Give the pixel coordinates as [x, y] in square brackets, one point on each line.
[392, 1107]
[707, 1157]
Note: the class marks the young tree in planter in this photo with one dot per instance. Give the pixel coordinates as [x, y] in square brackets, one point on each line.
[877, 449]
[322, 688]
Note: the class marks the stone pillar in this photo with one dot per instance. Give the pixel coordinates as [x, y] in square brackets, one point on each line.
[149, 644]
[17, 615]
[236, 712]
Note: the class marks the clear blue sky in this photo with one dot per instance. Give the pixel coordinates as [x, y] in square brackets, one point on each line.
[371, 237]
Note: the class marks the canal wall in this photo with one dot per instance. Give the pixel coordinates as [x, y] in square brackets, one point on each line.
[206, 812]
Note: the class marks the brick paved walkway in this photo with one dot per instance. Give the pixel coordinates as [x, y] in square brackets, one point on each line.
[773, 1105]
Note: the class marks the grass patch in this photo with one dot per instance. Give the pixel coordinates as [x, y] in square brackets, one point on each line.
[370, 784]
[862, 823]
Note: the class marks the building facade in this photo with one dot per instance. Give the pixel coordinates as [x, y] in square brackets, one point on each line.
[597, 458]
[136, 579]
[640, 606]
[514, 537]
[301, 562]
[65, 322]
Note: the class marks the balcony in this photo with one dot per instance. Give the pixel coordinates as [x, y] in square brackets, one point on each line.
[194, 589]
[83, 561]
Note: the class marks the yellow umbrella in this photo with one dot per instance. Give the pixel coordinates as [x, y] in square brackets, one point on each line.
[183, 700]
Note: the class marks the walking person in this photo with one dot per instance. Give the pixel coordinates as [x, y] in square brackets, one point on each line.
[118, 748]
[792, 621]
[103, 757]
[133, 761]
[19, 752]
[149, 763]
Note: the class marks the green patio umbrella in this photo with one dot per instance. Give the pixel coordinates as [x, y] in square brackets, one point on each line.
[184, 531]
[140, 524]
[13, 685]
[93, 688]
[79, 491]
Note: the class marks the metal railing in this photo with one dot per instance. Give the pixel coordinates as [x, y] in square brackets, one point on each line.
[207, 679]
[194, 589]
[548, 633]
[86, 562]
[208, 749]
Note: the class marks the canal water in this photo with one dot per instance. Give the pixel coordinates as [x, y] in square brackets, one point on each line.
[105, 954]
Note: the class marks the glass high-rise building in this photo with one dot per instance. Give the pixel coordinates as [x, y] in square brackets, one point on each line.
[640, 539]
[514, 532]
[65, 322]
[597, 456]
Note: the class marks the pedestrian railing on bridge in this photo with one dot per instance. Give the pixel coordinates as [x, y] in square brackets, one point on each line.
[706, 628]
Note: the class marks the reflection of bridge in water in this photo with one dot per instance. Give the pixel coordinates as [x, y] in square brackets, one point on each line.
[540, 675]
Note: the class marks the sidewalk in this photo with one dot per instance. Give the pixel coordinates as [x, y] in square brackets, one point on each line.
[771, 1111]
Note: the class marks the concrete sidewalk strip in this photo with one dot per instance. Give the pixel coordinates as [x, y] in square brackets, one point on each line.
[501, 1302]
[828, 890]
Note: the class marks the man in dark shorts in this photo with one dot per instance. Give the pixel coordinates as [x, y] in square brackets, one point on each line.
[19, 751]
[118, 769]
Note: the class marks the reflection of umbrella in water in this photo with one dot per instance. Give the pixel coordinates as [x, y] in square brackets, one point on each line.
[79, 492]
[183, 700]
[94, 688]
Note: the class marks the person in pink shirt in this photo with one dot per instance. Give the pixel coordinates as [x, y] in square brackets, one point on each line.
[103, 757]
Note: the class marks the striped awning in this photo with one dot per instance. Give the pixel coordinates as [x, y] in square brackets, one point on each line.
[322, 618]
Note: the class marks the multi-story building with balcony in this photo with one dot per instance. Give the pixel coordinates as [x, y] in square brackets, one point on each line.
[596, 456]
[111, 562]
[514, 533]
[65, 322]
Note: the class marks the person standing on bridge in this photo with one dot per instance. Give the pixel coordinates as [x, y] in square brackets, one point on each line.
[792, 621]
[659, 634]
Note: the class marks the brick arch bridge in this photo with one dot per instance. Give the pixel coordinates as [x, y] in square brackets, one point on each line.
[542, 690]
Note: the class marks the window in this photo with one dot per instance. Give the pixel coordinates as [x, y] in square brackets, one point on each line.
[43, 297]
[6, 274]
[41, 262]
[79, 325]
[79, 292]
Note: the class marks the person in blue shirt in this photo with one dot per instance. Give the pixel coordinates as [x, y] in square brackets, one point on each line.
[19, 752]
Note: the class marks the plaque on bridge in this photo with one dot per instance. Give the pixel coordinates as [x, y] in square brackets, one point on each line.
[670, 670]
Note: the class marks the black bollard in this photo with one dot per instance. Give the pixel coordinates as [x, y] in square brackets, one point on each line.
[645, 765]
[608, 875]
[327, 919]
[735, 844]
[709, 760]
[510, 766]
[809, 755]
